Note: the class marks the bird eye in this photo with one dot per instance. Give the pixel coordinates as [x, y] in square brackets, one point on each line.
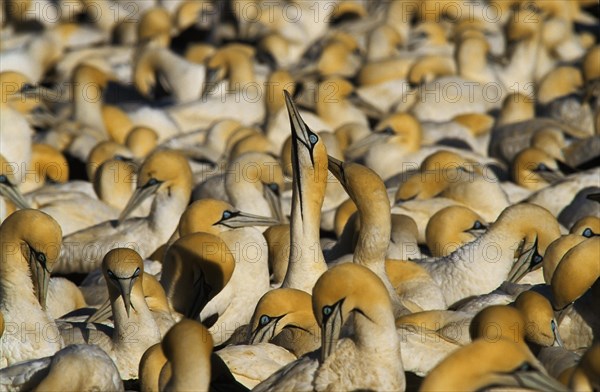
[274, 187]
[313, 139]
[587, 233]
[111, 274]
[477, 225]
[41, 258]
[226, 214]
[3, 179]
[327, 310]
[152, 181]
[387, 131]
[537, 259]
[264, 320]
[542, 167]
[525, 367]
[136, 273]
[553, 325]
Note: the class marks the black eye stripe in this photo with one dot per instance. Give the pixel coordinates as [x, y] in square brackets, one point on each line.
[135, 274]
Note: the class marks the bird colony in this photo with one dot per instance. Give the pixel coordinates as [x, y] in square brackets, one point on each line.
[300, 195]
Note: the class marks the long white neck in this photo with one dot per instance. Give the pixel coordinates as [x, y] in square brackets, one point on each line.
[167, 205]
[306, 262]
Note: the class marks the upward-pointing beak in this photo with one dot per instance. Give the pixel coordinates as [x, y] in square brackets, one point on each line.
[299, 127]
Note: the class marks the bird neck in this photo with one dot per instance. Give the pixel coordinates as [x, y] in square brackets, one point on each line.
[306, 261]
[168, 203]
[375, 330]
[375, 231]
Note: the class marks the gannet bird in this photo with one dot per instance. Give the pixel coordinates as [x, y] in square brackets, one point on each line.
[534, 169]
[526, 228]
[374, 236]
[123, 270]
[89, 369]
[249, 249]
[157, 302]
[309, 164]
[490, 362]
[284, 317]
[452, 227]
[31, 241]
[164, 174]
[348, 363]
[398, 138]
[252, 182]
[428, 337]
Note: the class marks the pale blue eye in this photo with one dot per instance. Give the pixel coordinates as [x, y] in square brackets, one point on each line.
[226, 215]
[264, 320]
[313, 139]
[587, 232]
[327, 310]
[152, 181]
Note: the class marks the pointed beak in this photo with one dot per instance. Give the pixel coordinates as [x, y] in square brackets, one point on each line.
[263, 334]
[242, 219]
[366, 107]
[536, 380]
[557, 339]
[526, 262]
[274, 204]
[102, 314]
[137, 198]
[41, 278]
[13, 194]
[125, 286]
[594, 197]
[299, 127]
[212, 76]
[360, 147]
[330, 331]
[336, 167]
[551, 176]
